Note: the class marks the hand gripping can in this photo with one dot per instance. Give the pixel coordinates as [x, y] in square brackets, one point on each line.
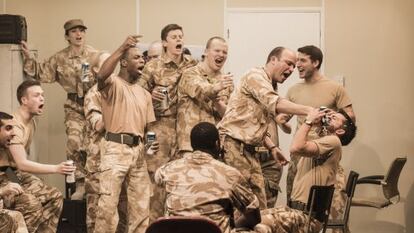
[85, 69]
[70, 179]
[165, 102]
[150, 138]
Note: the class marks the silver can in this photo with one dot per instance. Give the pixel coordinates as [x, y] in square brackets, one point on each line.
[70, 179]
[85, 69]
[165, 102]
[151, 137]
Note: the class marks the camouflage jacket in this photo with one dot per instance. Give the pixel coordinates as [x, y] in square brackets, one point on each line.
[196, 102]
[166, 73]
[65, 68]
[196, 183]
[251, 108]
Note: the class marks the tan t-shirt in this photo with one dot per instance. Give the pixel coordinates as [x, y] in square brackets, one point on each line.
[309, 174]
[324, 92]
[251, 107]
[126, 107]
[23, 136]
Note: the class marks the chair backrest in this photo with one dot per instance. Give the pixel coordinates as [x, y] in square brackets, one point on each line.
[350, 190]
[183, 225]
[319, 202]
[390, 184]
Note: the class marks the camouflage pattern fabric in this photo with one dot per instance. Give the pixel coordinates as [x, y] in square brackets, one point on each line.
[292, 170]
[339, 198]
[272, 173]
[65, 68]
[7, 223]
[196, 183]
[166, 73]
[93, 108]
[248, 165]
[286, 220]
[251, 108]
[119, 163]
[196, 100]
[12, 222]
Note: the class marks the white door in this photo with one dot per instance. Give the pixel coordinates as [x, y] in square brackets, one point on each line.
[252, 34]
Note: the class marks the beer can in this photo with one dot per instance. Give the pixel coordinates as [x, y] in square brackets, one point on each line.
[70, 178]
[165, 102]
[85, 69]
[151, 137]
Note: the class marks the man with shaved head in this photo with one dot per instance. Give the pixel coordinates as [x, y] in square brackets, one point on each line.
[251, 107]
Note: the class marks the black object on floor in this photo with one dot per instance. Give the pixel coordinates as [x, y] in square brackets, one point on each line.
[73, 218]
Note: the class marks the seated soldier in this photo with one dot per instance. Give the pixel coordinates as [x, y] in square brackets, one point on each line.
[14, 159]
[200, 185]
[317, 166]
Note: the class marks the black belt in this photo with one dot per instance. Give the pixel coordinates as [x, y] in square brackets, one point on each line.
[252, 149]
[75, 98]
[123, 138]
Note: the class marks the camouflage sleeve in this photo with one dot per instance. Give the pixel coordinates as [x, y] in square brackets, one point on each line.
[262, 91]
[147, 78]
[193, 85]
[242, 196]
[159, 176]
[93, 106]
[327, 145]
[44, 72]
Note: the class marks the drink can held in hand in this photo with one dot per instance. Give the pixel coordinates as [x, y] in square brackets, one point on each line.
[70, 178]
[85, 69]
[165, 102]
[150, 138]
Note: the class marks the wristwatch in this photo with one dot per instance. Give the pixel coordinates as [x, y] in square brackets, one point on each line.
[308, 122]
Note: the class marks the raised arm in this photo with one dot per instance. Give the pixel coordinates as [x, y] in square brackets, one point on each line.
[109, 65]
[285, 106]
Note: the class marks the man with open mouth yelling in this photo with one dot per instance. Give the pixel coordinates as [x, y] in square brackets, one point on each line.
[49, 199]
[251, 107]
[160, 77]
[203, 92]
[69, 67]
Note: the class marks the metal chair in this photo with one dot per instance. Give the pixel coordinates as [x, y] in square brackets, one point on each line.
[349, 191]
[319, 204]
[389, 185]
[183, 225]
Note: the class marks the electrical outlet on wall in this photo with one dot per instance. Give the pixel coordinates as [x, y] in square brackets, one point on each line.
[340, 78]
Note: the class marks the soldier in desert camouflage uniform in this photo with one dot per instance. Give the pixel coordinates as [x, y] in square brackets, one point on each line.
[10, 221]
[199, 184]
[47, 201]
[203, 92]
[319, 158]
[251, 108]
[127, 110]
[165, 72]
[65, 68]
[316, 90]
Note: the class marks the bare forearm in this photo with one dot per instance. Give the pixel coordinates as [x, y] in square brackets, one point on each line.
[109, 65]
[34, 167]
[299, 139]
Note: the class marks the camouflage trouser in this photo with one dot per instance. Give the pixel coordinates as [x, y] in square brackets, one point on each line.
[339, 197]
[286, 220]
[248, 165]
[164, 129]
[18, 224]
[272, 172]
[50, 198]
[294, 159]
[119, 163]
[75, 123]
[92, 191]
[39, 204]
